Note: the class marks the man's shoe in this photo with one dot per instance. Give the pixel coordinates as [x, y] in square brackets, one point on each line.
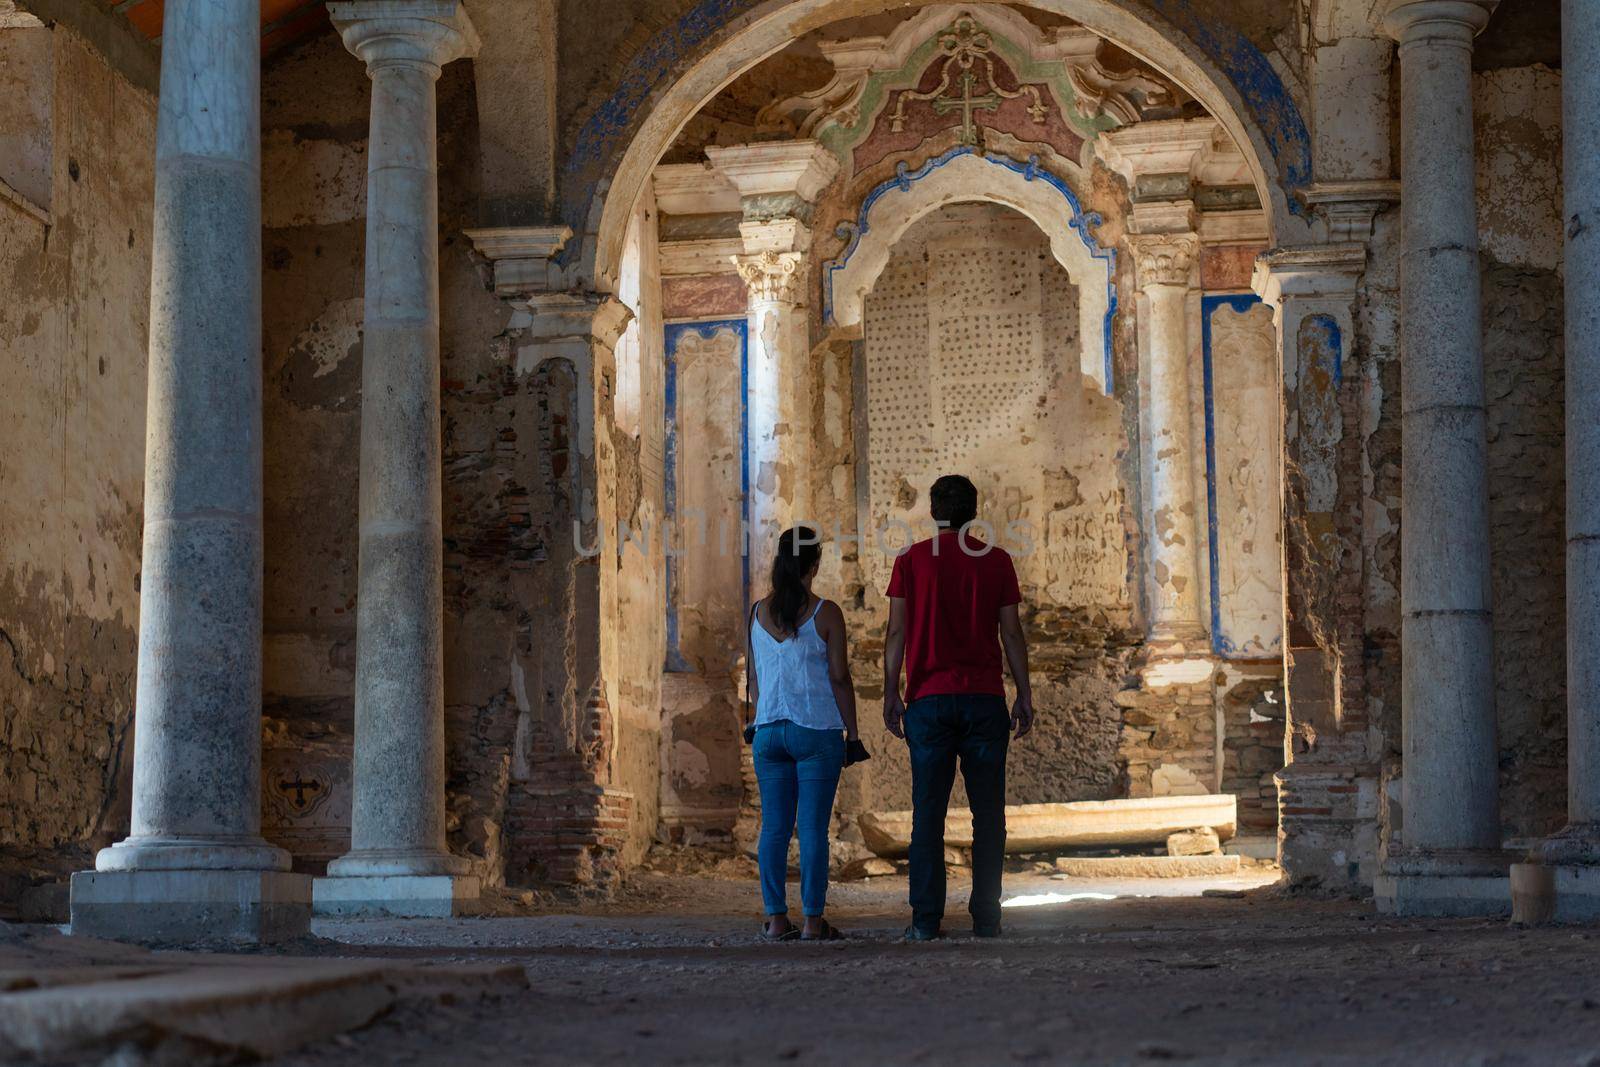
[916, 933]
[986, 931]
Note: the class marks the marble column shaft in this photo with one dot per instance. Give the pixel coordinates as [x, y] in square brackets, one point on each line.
[1164, 262]
[398, 819]
[197, 731]
[778, 401]
[1447, 639]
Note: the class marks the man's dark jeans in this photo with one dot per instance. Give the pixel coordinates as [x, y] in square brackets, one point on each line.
[975, 729]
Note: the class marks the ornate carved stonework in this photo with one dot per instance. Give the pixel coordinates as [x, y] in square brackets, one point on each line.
[968, 50]
[981, 59]
[1164, 258]
[773, 277]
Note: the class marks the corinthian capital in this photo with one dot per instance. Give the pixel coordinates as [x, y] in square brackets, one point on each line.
[773, 277]
[1164, 258]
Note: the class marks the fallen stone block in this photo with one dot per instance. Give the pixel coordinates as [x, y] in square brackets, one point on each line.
[1201, 841]
[1048, 827]
[1146, 866]
[871, 867]
[220, 1012]
[258, 1011]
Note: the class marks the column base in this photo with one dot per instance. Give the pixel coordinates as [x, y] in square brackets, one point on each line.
[1460, 883]
[398, 896]
[247, 907]
[1547, 893]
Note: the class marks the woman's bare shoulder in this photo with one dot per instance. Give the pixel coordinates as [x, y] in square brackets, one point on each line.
[830, 614]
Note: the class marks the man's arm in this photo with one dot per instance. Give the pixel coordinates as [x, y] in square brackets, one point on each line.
[1015, 643]
[894, 654]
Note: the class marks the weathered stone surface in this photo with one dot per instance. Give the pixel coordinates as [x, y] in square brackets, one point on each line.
[191, 905]
[1147, 866]
[1202, 841]
[1040, 827]
[871, 867]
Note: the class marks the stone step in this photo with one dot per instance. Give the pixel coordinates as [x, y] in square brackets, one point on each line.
[1146, 866]
[1047, 827]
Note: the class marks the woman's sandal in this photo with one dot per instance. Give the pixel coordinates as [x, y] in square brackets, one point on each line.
[791, 934]
[830, 932]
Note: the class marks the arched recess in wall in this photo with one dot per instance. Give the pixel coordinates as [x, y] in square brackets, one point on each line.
[715, 41]
[963, 175]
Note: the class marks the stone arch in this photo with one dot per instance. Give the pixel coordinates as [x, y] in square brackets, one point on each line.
[963, 175]
[714, 41]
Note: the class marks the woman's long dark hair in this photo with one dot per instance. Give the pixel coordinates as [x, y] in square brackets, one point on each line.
[799, 549]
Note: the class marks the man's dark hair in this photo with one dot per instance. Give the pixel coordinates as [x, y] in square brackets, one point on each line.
[953, 501]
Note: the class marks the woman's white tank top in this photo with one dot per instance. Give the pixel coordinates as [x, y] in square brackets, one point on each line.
[792, 676]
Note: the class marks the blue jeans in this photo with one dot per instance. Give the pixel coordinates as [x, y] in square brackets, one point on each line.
[798, 770]
[972, 729]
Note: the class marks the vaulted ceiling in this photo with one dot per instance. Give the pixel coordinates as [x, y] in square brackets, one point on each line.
[282, 21]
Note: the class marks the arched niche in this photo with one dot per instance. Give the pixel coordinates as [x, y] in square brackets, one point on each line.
[964, 175]
[712, 42]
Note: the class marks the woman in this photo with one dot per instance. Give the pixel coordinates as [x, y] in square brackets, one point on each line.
[799, 684]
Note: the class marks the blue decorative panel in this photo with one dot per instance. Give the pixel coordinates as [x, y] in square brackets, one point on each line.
[674, 334]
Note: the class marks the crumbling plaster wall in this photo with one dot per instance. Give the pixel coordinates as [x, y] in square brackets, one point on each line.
[75, 277]
[516, 615]
[1518, 124]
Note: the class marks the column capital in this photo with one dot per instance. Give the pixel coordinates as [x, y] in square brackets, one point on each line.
[1164, 258]
[773, 277]
[523, 258]
[776, 168]
[1310, 271]
[1349, 207]
[1412, 20]
[425, 32]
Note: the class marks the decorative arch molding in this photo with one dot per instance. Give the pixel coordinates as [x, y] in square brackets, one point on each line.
[871, 73]
[960, 175]
[714, 41]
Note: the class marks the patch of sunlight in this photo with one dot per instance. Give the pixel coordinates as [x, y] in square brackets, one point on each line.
[1034, 900]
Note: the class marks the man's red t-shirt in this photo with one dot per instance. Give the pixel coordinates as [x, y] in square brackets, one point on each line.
[953, 599]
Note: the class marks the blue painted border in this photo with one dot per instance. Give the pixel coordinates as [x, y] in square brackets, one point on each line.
[1239, 303]
[1030, 170]
[1335, 337]
[1262, 95]
[673, 334]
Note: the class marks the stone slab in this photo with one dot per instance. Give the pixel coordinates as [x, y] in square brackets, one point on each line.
[435, 896]
[1147, 866]
[1257, 847]
[253, 1010]
[191, 906]
[1084, 823]
[1543, 893]
[1442, 896]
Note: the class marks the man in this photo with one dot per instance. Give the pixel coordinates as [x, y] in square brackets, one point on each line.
[952, 607]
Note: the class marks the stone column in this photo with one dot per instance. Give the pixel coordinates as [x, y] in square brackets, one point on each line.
[1562, 879]
[399, 863]
[195, 865]
[777, 400]
[1164, 262]
[1449, 860]
[778, 182]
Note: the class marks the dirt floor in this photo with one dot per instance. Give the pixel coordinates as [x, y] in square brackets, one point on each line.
[1087, 973]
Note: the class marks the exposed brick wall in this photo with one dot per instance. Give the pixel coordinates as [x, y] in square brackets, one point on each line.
[564, 824]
